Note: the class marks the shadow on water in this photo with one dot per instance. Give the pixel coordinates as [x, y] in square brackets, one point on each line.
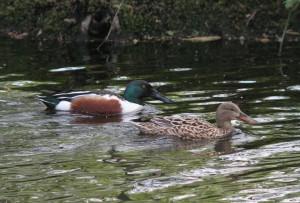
[67, 157]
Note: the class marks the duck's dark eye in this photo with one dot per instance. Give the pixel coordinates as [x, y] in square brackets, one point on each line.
[231, 109]
[144, 86]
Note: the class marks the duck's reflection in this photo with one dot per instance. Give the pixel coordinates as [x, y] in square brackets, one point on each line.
[96, 120]
[224, 146]
[221, 146]
[100, 120]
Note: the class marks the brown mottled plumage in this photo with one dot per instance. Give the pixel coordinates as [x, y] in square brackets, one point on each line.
[196, 128]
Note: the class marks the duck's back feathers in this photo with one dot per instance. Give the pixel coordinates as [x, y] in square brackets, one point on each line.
[70, 95]
[185, 128]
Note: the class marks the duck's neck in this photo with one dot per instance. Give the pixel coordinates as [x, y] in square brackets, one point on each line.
[225, 126]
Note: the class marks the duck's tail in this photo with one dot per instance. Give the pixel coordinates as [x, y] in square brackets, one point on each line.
[49, 101]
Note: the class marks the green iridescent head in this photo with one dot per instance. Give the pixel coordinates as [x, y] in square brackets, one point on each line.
[138, 89]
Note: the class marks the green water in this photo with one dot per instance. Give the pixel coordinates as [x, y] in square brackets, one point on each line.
[65, 157]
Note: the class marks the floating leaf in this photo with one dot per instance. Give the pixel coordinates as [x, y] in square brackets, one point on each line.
[291, 32]
[263, 40]
[202, 39]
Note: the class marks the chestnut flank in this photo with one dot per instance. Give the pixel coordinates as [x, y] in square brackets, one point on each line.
[101, 106]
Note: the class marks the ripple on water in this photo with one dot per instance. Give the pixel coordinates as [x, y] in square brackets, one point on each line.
[181, 197]
[152, 184]
[236, 81]
[265, 119]
[26, 83]
[270, 98]
[264, 194]
[143, 171]
[293, 200]
[22, 83]
[122, 78]
[158, 84]
[107, 199]
[180, 69]
[187, 93]
[244, 89]
[62, 171]
[67, 69]
[294, 88]
[224, 95]
[208, 172]
[246, 160]
[184, 99]
[254, 156]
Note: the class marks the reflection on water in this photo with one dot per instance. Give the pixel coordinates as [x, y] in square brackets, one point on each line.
[66, 69]
[67, 157]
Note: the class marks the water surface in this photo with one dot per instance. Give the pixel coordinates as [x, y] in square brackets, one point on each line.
[66, 157]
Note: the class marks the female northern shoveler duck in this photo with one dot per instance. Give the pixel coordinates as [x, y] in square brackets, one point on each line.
[196, 128]
[102, 102]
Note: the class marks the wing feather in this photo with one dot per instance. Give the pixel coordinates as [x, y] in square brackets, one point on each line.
[185, 128]
[70, 95]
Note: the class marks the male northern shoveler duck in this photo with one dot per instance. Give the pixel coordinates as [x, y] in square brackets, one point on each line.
[102, 102]
[196, 128]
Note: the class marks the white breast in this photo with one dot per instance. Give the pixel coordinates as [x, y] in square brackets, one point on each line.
[128, 107]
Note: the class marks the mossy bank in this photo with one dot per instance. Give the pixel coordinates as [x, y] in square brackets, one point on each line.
[84, 20]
